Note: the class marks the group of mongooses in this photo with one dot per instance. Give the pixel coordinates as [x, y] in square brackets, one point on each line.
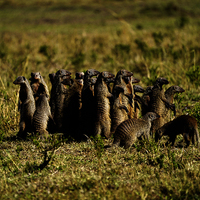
[88, 106]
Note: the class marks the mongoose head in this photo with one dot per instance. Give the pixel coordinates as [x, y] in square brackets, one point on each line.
[35, 76]
[91, 72]
[151, 116]
[131, 79]
[107, 75]
[63, 72]
[177, 89]
[161, 81]
[20, 80]
[93, 81]
[135, 80]
[124, 73]
[138, 88]
[148, 90]
[67, 80]
[79, 75]
[110, 80]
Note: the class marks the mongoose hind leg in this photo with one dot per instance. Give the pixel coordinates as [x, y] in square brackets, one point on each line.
[187, 138]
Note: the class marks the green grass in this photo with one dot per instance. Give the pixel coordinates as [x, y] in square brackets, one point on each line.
[150, 38]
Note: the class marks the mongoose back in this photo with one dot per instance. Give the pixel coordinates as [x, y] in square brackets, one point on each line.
[169, 94]
[27, 106]
[185, 125]
[131, 129]
[42, 115]
[58, 94]
[158, 103]
[102, 105]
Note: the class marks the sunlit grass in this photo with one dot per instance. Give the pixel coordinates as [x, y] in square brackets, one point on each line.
[149, 38]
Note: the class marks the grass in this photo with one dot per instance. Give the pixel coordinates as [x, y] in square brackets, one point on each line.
[150, 38]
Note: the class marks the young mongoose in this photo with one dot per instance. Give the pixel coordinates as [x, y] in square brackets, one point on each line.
[27, 106]
[185, 125]
[131, 129]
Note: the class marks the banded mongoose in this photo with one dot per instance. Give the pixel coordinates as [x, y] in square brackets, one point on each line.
[42, 115]
[79, 75]
[72, 108]
[102, 105]
[27, 106]
[185, 125]
[128, 92]
[136, 89]
[88, 103]
[158, 103]
[131, 129]
[145, 100]
[169, 94]
[58, 95]
[38, 85]
[119, 112]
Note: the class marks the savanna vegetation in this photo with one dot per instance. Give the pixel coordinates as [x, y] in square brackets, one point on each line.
[151, 38]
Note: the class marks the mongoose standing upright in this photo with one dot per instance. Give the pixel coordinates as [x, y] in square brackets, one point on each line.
[38, 85]
[131, 129]
[42, 115]
[158, 103]
[72, 109]
[102, 105]
[58, 95]
[27, 106]
[136, 89]
[125, 97]
[88, 103]
[119, 112]
[185, 125]
[169, 94]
